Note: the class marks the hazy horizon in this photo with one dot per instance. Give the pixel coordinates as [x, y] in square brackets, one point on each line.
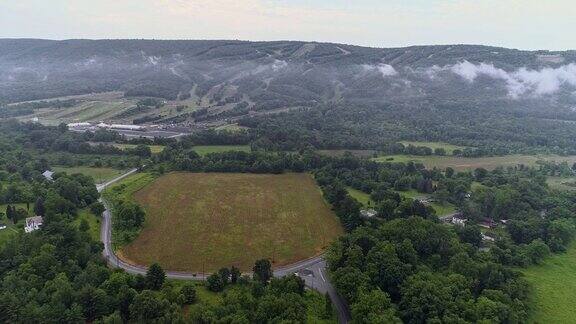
[525, 25]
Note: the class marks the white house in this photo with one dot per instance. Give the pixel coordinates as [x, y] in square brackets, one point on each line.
[2, 226]
[368, 213]
[48, 175]
[458, 221]
[33, 223]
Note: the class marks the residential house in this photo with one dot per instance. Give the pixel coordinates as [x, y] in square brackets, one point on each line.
[48, 175]
[33, 223]
[368, 213]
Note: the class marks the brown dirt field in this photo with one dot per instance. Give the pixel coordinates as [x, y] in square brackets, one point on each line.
[203, 221]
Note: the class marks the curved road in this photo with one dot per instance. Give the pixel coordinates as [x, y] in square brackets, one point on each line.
[312, 270]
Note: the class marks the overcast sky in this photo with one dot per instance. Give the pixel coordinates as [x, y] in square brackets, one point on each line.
[524, 24]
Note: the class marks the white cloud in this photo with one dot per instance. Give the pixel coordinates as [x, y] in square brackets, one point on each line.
[384, 69]
[521, 82]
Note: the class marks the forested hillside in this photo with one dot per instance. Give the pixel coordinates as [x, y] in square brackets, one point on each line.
[332, 95]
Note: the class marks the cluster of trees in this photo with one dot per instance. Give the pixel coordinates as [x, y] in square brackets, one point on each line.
[490, 130]
[262, 299]
[399, 148]
[415, 270]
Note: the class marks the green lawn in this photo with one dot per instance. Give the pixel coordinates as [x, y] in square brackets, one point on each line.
[441, 210]
[99, 175]
[207, 149]
[93, 222]
[153, 148]
[11, 229]
[554, 285]
[339, 153]
[434, 145]
[362, 197]
[562, 183]
[461, 163]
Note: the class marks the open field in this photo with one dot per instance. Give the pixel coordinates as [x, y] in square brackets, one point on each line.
[153, 148]
[11, 229]
[460, 163]
[93, 222]
[434, 145]
[554, 284]
[362, 197]
[365, 200]
[207, 149]
[357, 153]
[99, 175]
[562, 183]
[441, 210]
[201, 222]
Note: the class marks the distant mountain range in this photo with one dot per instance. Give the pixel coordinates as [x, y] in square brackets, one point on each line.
[275, 75]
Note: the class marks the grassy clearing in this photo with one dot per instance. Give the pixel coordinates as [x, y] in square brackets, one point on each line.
[231, 127]
[339, 153]
[434, 145]
[562, 183]
[461, 164]
[99, 175]
[201, 222]
[153, 148]
[207, 149]
[441, 210]
[93, 222]
[11, 229]
[554, 284]
[362, 197]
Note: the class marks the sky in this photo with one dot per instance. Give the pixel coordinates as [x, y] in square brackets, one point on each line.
[522, 24]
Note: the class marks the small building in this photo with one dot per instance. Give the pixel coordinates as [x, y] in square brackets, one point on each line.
[487, 238]
[48, 175]
[487, 223]
[33, 223]
[368, 213]
[459, 221]
[2, 226]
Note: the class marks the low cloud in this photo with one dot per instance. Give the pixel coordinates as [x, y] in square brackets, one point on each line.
[384, 69]
[519, 83]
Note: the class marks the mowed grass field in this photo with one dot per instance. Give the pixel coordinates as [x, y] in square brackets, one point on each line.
[99, 175]
[153, 148]
[207, 149]
[434, 145]
[461, 163]
[203, 221]
[554, 285]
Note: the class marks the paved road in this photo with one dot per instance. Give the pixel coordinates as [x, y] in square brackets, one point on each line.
[312, 270]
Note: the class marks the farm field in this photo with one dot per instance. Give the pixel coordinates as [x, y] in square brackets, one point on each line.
[204, 221]
[461, 163]
[207, 149]
[434, 145]
[99, 175]
[153, 148]
[554, 284]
